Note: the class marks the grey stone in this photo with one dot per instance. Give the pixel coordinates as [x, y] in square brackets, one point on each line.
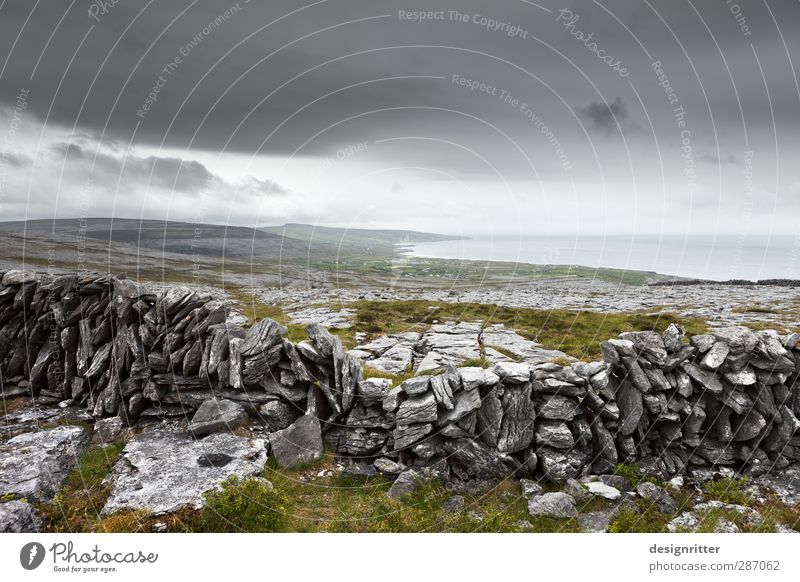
[407, 434]
[530, 488]
[416, 386]
[663, 501]
[554, 433]
[715, 357]
[490, 417]
[418, 409]
[557, 505]
[388, 466]
[162, 472]
[391, 399]
[558, 407]
[707, 380]
[373, 390]
[517, 427]
[513, 372]
[279, 414]
[107, 430]
[357, 442]
[673, 337]
[405, 484]
[454, 504]
[442, 391]
[702, 342]
[216, 415]
[34, 465]
[578, 492]
[630, 407]
[472, 377]
[19, 517]
[299, 444]
[465, 402]
[479, 461]
[602, 490]
[616, 481]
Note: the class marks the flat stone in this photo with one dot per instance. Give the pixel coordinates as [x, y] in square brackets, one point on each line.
[464, 402]
[715, 357]
[107, 430]
[405, 484]
[19, 517]
[34, 465]
[373, 390]
[216, 415]
[530, 488]
[299, 444]
[662, 500]
[577, 491]
[557, 505]
[416, 386]
[162, 472]
[388, 466]
[513, 372]
[557, 407]
[554, 433]
[279, 414]
[602, 490]
[473, 377]
[417, 409]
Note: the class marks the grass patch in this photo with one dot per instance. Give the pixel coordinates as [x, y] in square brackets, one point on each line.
[633, 474]
[577, 333]
[76, 508]
[755, 309]
[475, 363]
[646, 520]
[247, 505]
[728, 490]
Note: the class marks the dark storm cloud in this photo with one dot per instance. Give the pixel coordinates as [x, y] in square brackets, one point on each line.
[606, 117]
[165, 173]
[501, 90]
[235, 83]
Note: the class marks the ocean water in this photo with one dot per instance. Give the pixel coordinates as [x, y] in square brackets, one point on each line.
[718, 258]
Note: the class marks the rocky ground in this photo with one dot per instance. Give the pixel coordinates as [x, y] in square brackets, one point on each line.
[163, 471]
[719, 304]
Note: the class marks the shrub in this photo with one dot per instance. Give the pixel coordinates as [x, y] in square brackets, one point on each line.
[247, 505]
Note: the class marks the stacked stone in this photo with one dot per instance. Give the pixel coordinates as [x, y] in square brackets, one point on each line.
[725, 398]
[730, 398]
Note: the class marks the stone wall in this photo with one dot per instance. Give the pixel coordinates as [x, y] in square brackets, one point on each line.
[660, 400]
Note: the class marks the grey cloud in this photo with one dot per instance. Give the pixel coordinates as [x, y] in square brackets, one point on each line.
[607, 117]
[167, 173]
[15, 160]
[715, 160]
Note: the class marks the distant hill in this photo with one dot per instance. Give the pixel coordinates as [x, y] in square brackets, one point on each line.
[184, 238]
[353, 241]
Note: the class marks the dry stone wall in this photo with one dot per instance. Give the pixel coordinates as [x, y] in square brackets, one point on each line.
[666, 402]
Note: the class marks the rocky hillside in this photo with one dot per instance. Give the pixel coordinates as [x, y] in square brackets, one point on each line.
[120, 355]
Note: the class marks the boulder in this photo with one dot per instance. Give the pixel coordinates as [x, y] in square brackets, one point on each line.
[34, 465]
[405, 484]
[299, 444]
[216, 415]
[19, 517]
[161, 472]
[557, 505]
[662, 500]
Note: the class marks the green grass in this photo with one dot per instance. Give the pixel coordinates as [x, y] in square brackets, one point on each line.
[476, 363]
[646, 520]
[728, 490]
[76, 508]
[247, 505]
[633, 474]
[577, 333]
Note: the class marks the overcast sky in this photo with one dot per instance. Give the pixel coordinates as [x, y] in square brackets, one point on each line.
[489, 117]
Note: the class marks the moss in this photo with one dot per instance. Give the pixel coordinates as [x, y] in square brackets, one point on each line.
[633, 474]
[476, 363]
[646, 520]
[728, 490]
[76, 508]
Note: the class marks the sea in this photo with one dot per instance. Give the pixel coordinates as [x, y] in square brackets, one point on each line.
[718, 258]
